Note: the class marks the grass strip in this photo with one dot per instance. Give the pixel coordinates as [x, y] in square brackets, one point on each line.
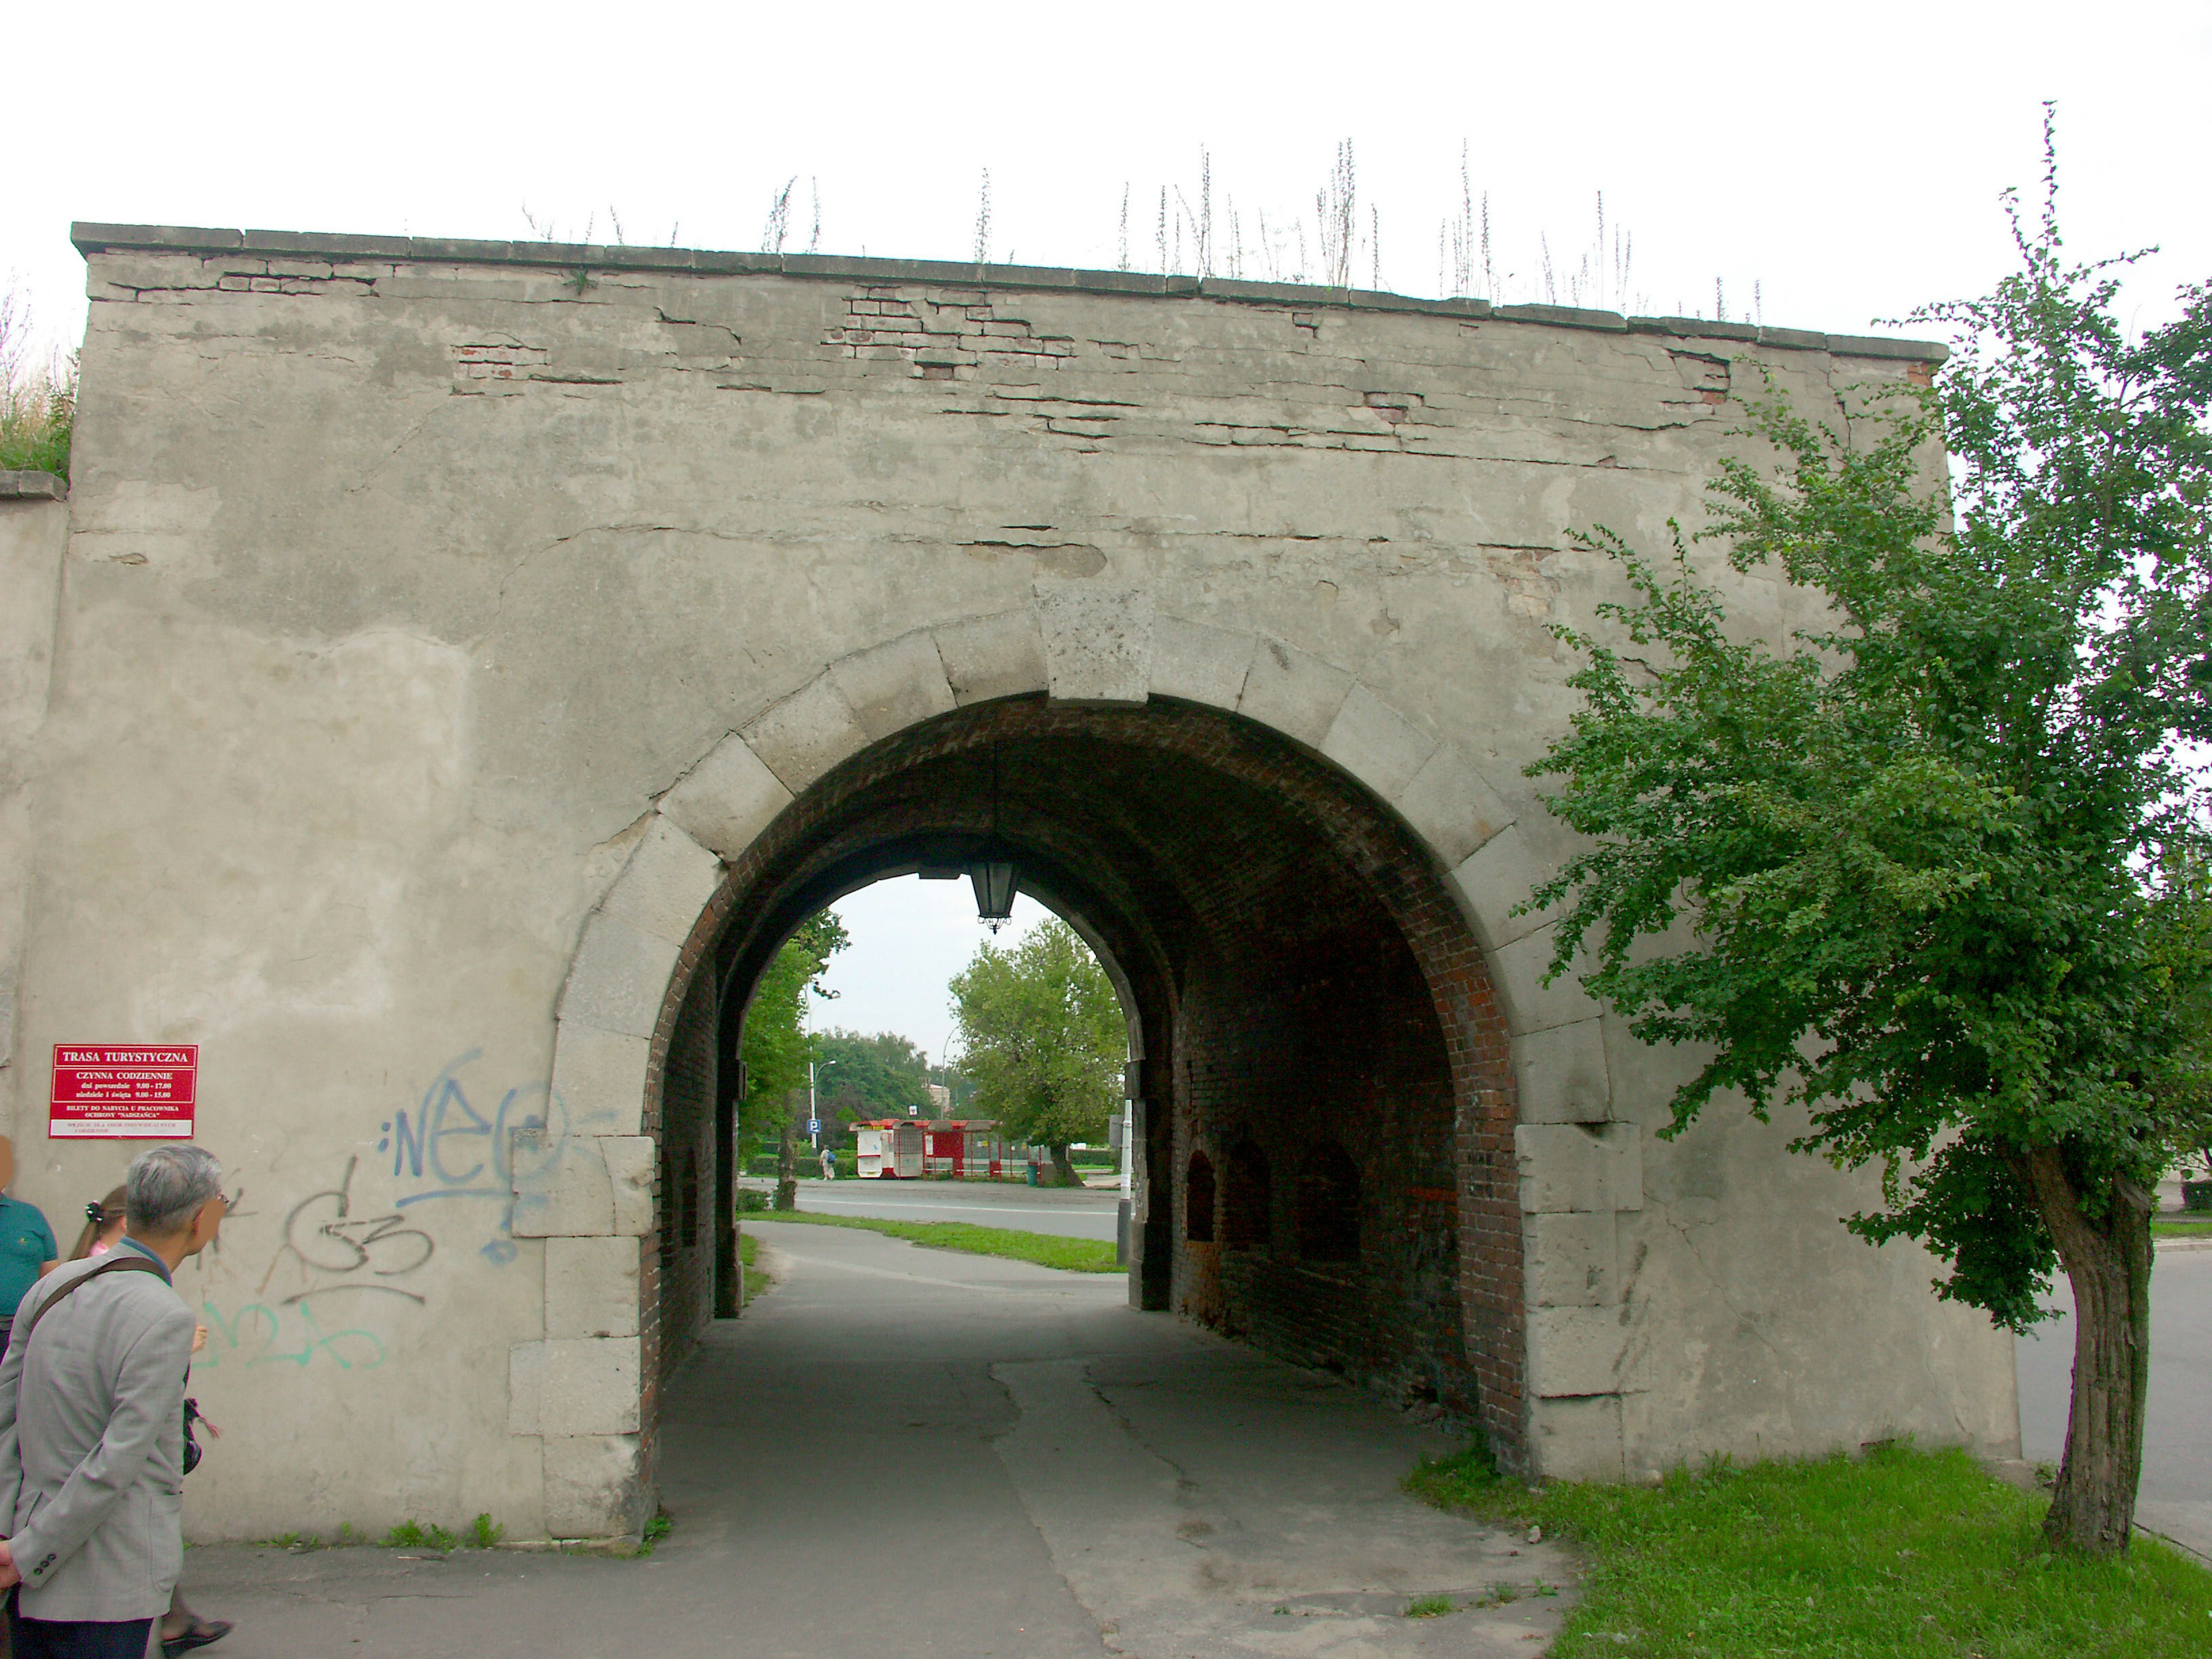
[1079, 1255]
[1901, 1552]
[2197, 1226]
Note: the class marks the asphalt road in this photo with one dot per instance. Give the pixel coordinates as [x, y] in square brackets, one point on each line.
[2175, 1496]
[1088, 1213]
[901, 1453]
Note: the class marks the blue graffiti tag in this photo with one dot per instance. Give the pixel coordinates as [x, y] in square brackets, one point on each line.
[447, 1129]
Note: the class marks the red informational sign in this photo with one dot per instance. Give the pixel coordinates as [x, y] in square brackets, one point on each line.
[113, 1093]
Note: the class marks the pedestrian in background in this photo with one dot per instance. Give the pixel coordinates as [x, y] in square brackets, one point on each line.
[26, 1243]
[92, 1404]
[103, 1225]
[182, 1629]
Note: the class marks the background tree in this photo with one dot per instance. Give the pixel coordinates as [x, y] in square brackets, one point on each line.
[777, 1047]
[1042, 1036]
[871, 1077]
[1940, 854]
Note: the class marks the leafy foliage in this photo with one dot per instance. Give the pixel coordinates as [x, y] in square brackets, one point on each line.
[777, 1047]
[870, 1077]
[1042, 1033]
[1945, 836]
[1941, 853]
[38, 400]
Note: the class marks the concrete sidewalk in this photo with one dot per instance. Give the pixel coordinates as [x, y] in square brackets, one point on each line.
[909, 1452]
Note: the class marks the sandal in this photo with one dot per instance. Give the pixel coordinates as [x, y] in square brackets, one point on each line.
[204, 1631]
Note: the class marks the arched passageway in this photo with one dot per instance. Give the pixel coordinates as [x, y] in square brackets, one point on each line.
[1311, 1024]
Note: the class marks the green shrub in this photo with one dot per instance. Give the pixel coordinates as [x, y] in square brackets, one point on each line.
[482, 1535]
[38, 401]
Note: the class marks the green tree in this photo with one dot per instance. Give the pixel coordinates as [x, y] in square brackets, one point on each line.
[1042, 1037]
[776, 1048]
[868, 1077]
[1938, 853]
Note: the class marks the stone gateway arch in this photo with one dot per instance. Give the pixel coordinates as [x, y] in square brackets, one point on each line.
[454, 667]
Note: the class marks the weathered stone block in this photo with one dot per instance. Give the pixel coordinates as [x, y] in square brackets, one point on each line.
[592, 1287]
[727, 799]
[589, 1386]
[666, 884]
[1572, 1166]
[562, 1187]
[619, 977]
[525, 1383]
[807, 733]
[996, 656]
[1517, 970]
[1577, 1439]
[1200, 663]
[599, 1079]
[1376, 744]
[630, 1165]
[1572, 1351]
[1097, 641]
[595, 1486]
[1451, 807]
[1498, 876]
[1562, 1074]
[1572, 1260]
[1297, 693]
[893, 686]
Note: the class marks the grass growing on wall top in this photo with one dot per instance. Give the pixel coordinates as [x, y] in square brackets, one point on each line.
[38, 399]
[1900, 1554]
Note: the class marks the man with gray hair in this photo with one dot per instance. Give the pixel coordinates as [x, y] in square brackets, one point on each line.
[92, 1400]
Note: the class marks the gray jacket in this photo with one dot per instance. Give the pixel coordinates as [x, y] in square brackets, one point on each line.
[92, 1446]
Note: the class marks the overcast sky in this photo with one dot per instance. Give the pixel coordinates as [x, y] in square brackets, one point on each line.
[1845, 158]
[910, 938]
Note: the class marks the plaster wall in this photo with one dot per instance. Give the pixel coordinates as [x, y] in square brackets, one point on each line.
[404, 581]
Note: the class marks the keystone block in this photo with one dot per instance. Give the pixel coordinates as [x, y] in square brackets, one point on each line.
[1097, 641]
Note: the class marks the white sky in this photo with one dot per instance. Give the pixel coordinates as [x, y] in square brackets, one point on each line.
[1844, 157]
[910, 938]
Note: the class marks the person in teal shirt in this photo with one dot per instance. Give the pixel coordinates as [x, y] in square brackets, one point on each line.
[27, 1243]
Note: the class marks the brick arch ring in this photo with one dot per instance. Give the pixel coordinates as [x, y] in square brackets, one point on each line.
[590, 1196]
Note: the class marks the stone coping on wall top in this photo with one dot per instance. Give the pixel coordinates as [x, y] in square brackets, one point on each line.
[32, 486]
[569, 256]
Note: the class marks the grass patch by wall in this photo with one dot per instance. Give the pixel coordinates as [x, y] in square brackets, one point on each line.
[1902, 1554]
[1080, 1255]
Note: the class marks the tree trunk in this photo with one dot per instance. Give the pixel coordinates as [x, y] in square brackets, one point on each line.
[2108, 1259]
[1063, 1167]
[787, 1169]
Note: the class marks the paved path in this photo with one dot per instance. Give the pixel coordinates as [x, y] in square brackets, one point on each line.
[2175, 1496]
[901, 1452]
[1088, 1213]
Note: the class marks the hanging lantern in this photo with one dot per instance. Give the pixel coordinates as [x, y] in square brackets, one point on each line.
[994, 893]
